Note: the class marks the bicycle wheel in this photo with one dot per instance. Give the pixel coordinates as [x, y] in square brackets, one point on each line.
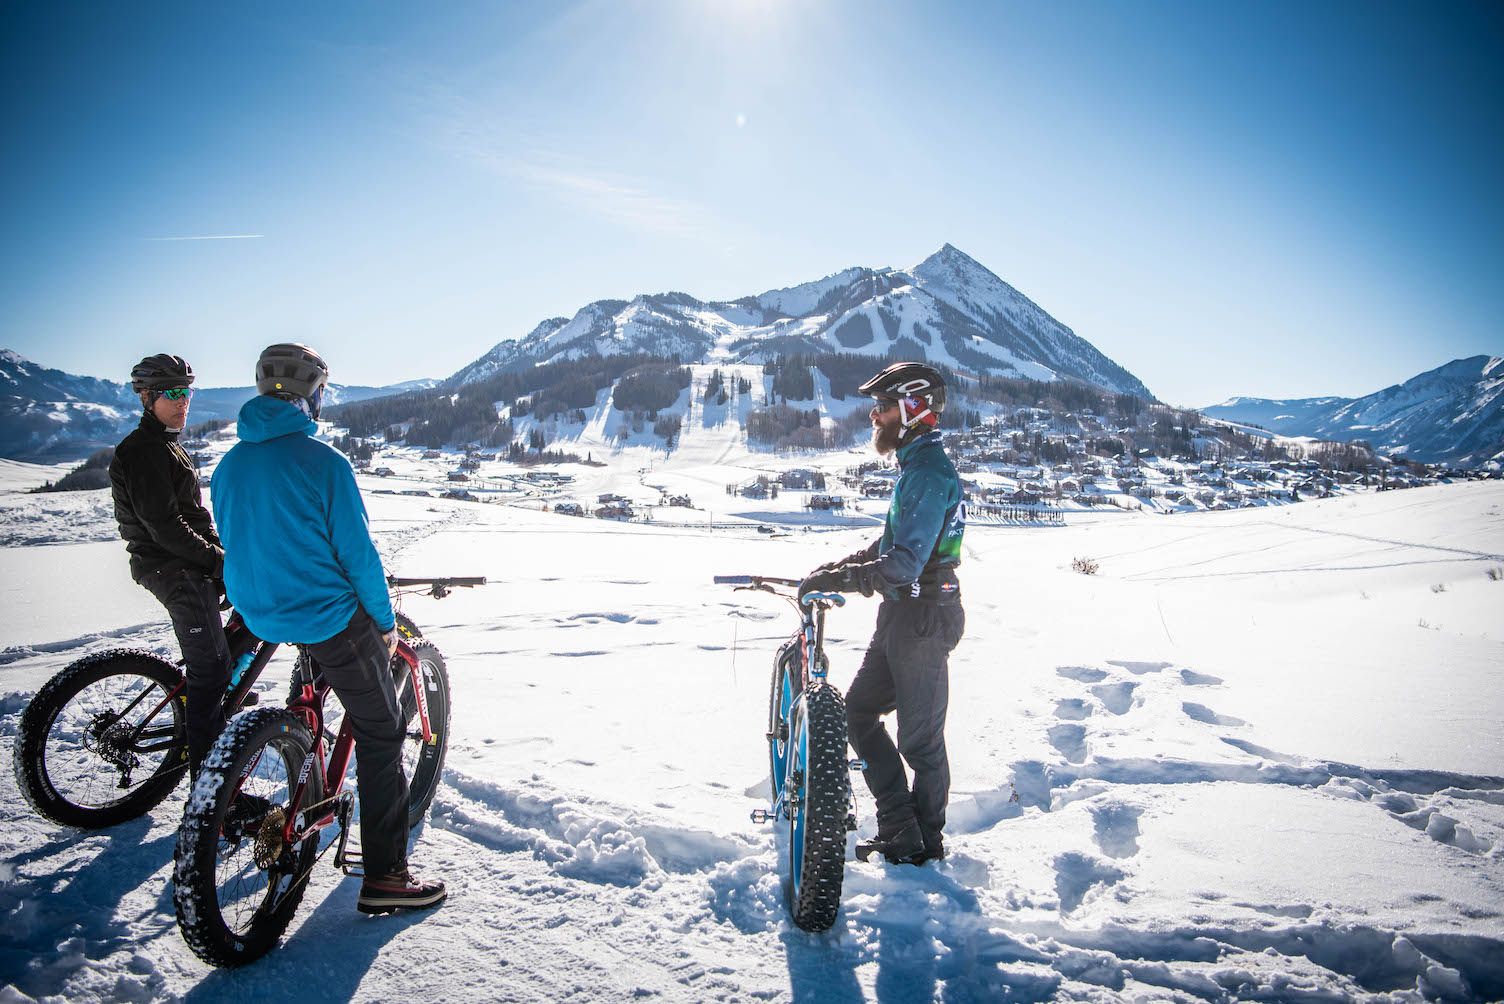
[819, 791]
[423, 763]
[104, 740]
[237, 883]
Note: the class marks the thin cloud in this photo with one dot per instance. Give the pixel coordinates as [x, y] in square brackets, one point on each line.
[471, 131]
[209, 237]
[620, 200]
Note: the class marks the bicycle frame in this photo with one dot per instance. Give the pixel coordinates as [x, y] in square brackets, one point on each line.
[309, 705]
[809, 668]
[160, 737]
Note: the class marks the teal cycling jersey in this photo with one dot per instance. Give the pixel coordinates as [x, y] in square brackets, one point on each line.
[921, 541]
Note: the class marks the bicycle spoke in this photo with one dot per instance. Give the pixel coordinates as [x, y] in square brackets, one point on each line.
[94, 752]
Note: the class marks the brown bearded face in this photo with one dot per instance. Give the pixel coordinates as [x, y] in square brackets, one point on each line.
[887, 430]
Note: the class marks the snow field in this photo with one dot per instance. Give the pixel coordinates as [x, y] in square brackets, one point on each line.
[1242, 767]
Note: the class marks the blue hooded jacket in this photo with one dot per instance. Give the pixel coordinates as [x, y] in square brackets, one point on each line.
[298, 551]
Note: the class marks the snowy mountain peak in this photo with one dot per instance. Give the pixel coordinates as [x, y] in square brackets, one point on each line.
[950, 310]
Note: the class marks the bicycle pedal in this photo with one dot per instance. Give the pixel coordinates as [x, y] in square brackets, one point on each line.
[761, 816]
[857, 764]
[250, 700]
[851, 822]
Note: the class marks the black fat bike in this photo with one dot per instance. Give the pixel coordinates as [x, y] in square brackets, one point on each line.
[807, 763]
[105, 740]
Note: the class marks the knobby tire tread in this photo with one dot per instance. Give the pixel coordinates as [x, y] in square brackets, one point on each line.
[40, 714]
[195, 892]
[817, 901]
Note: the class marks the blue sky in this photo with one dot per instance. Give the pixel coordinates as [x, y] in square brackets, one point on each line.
[1277, 199]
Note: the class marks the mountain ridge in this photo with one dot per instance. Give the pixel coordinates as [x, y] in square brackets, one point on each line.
[1451, 414]
[949, 309]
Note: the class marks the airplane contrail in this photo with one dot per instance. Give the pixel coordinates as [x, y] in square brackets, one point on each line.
[210, 237]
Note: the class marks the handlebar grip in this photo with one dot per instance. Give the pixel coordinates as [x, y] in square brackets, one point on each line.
[732, 580]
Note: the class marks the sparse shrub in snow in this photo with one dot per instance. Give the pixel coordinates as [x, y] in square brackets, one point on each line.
[1086, 566]
[1495, 574]
[1439, 587]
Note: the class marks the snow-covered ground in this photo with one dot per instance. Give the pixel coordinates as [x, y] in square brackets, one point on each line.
[1259, 755]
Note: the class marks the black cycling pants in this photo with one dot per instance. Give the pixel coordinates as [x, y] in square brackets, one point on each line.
[192, 601]
[907, 670]
[355, 664]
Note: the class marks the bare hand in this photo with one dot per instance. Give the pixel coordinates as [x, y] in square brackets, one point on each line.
[390, 639]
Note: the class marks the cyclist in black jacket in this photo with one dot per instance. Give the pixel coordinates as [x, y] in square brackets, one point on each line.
[906, 668]
[174, 550]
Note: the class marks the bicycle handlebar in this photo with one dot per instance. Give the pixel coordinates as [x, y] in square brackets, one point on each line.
[752, 580]
[437, 588]
[468, 580]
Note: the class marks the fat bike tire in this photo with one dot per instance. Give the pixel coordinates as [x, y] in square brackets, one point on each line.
[423, 762]
[407, 630]
[78, 757]
[820, 796]
[231, 907]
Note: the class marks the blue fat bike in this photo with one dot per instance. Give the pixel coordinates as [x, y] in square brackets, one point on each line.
[811, 780]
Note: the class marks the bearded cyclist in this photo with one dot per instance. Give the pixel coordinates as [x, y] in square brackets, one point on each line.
[175, 553]
[907, 665]
[302, 569]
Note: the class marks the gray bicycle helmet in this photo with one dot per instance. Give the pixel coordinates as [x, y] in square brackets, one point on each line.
[288, 369]
[161, 372]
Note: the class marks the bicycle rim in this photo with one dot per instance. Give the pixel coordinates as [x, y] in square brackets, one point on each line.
[110, 738]
[246, 889]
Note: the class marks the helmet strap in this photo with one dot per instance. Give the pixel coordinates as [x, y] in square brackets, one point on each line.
[912, 411]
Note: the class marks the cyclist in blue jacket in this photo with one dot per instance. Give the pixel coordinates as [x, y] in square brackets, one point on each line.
[301, 568]
[906, 668]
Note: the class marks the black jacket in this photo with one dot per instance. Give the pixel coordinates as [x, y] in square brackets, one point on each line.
[159, 506]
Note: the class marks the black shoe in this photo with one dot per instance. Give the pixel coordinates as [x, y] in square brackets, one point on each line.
[899, 849]
[399, 890]
[934, 850]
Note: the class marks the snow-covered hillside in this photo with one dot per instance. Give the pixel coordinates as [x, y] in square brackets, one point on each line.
[1259, 755]
[47, 414]
[1453, 414]
[948, 310]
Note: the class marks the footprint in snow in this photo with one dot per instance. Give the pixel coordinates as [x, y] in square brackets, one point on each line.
[1076, 874]
[1115, 697]
[1069, 741]
[1072, 709]
[1138, 668]
[1206, 716]
[1082, 674]
[1115, 829]
[1194, 679]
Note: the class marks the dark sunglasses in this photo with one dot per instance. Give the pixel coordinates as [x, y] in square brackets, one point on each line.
[176, 393]
[881, 405]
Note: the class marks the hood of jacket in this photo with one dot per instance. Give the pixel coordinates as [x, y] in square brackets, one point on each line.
[264, 417]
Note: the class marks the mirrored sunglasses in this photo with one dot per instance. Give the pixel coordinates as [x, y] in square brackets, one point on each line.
[176, 393]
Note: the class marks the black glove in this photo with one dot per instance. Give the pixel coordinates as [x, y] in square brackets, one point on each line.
[826, 579]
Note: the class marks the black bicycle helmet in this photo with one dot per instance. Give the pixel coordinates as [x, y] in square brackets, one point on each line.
[909, 380]
[291, 370]
[161, 372]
